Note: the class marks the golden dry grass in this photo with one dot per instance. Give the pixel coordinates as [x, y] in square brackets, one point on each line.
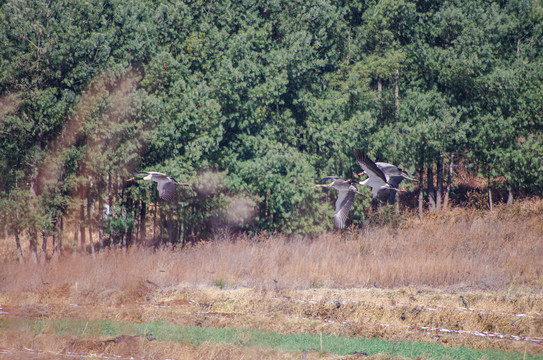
[456, 249]
[401, 283]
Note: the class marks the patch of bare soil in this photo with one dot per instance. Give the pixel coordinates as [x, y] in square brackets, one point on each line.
[63, 347]
[481, 320]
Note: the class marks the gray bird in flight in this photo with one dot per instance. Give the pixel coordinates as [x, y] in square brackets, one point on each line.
[345, 198]
[395, 176]
[383, 179]
[165, 184]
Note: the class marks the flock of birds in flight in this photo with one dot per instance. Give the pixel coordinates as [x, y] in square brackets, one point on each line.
[383, 178]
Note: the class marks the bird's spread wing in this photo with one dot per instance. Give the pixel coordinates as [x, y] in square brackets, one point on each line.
[159, 177]
[166, 190]
[156, 176]
[395, 180]
[368, 165]
[382, 194]
[343, 205]
[392, 197]
[391, 171]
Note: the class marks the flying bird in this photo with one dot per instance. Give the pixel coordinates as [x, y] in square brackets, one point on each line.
[381, 184]
[394, 176]
[344, 200]
[165, 184]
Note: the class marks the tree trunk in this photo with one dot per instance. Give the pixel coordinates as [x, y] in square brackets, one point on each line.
[89, 220]
[397, 204]
[33, 248]
[55, 241]
[163, 223]
[379, 92]
[421, 191]
[44, 246]
[431, 189]
[489, 194]
[143, 222]
[509, 195]
[154, 222]
[129, 207]
[109, 192]
[397, 96]
[182, 229]
[449, 182]
[439, 179]
[60, 235]
[82, 226]
[136, 234]
[56, 238]
[33, 231]
[137, 227]
[76, 240]
[170, 229]
[100, 218]
[18, 245]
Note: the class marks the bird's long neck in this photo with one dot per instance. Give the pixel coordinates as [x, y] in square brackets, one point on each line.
[136, 178]
[322, 185]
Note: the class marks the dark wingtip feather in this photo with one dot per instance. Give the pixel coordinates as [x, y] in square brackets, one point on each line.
[360, 156]
[368, 164]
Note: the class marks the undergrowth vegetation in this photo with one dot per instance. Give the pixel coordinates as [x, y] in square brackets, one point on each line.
[459, 248]
[463, 277]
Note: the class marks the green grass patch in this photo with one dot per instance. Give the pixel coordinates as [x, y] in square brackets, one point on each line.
[164, 331]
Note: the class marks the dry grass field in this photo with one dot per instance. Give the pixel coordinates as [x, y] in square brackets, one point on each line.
[461, 277]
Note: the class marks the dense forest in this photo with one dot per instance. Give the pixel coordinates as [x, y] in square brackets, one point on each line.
[251, 102]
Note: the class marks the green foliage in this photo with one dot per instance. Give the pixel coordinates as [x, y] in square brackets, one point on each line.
[117, 224]
[220, 283]
[267, 97]
[341, 345]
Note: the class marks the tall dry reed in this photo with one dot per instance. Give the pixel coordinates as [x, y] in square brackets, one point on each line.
[460, 248]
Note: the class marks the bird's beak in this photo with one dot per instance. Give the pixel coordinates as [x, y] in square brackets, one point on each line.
[131, 179]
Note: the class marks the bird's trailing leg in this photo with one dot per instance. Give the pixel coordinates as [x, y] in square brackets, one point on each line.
[408, 178]
[357, 175]
[349, 181]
